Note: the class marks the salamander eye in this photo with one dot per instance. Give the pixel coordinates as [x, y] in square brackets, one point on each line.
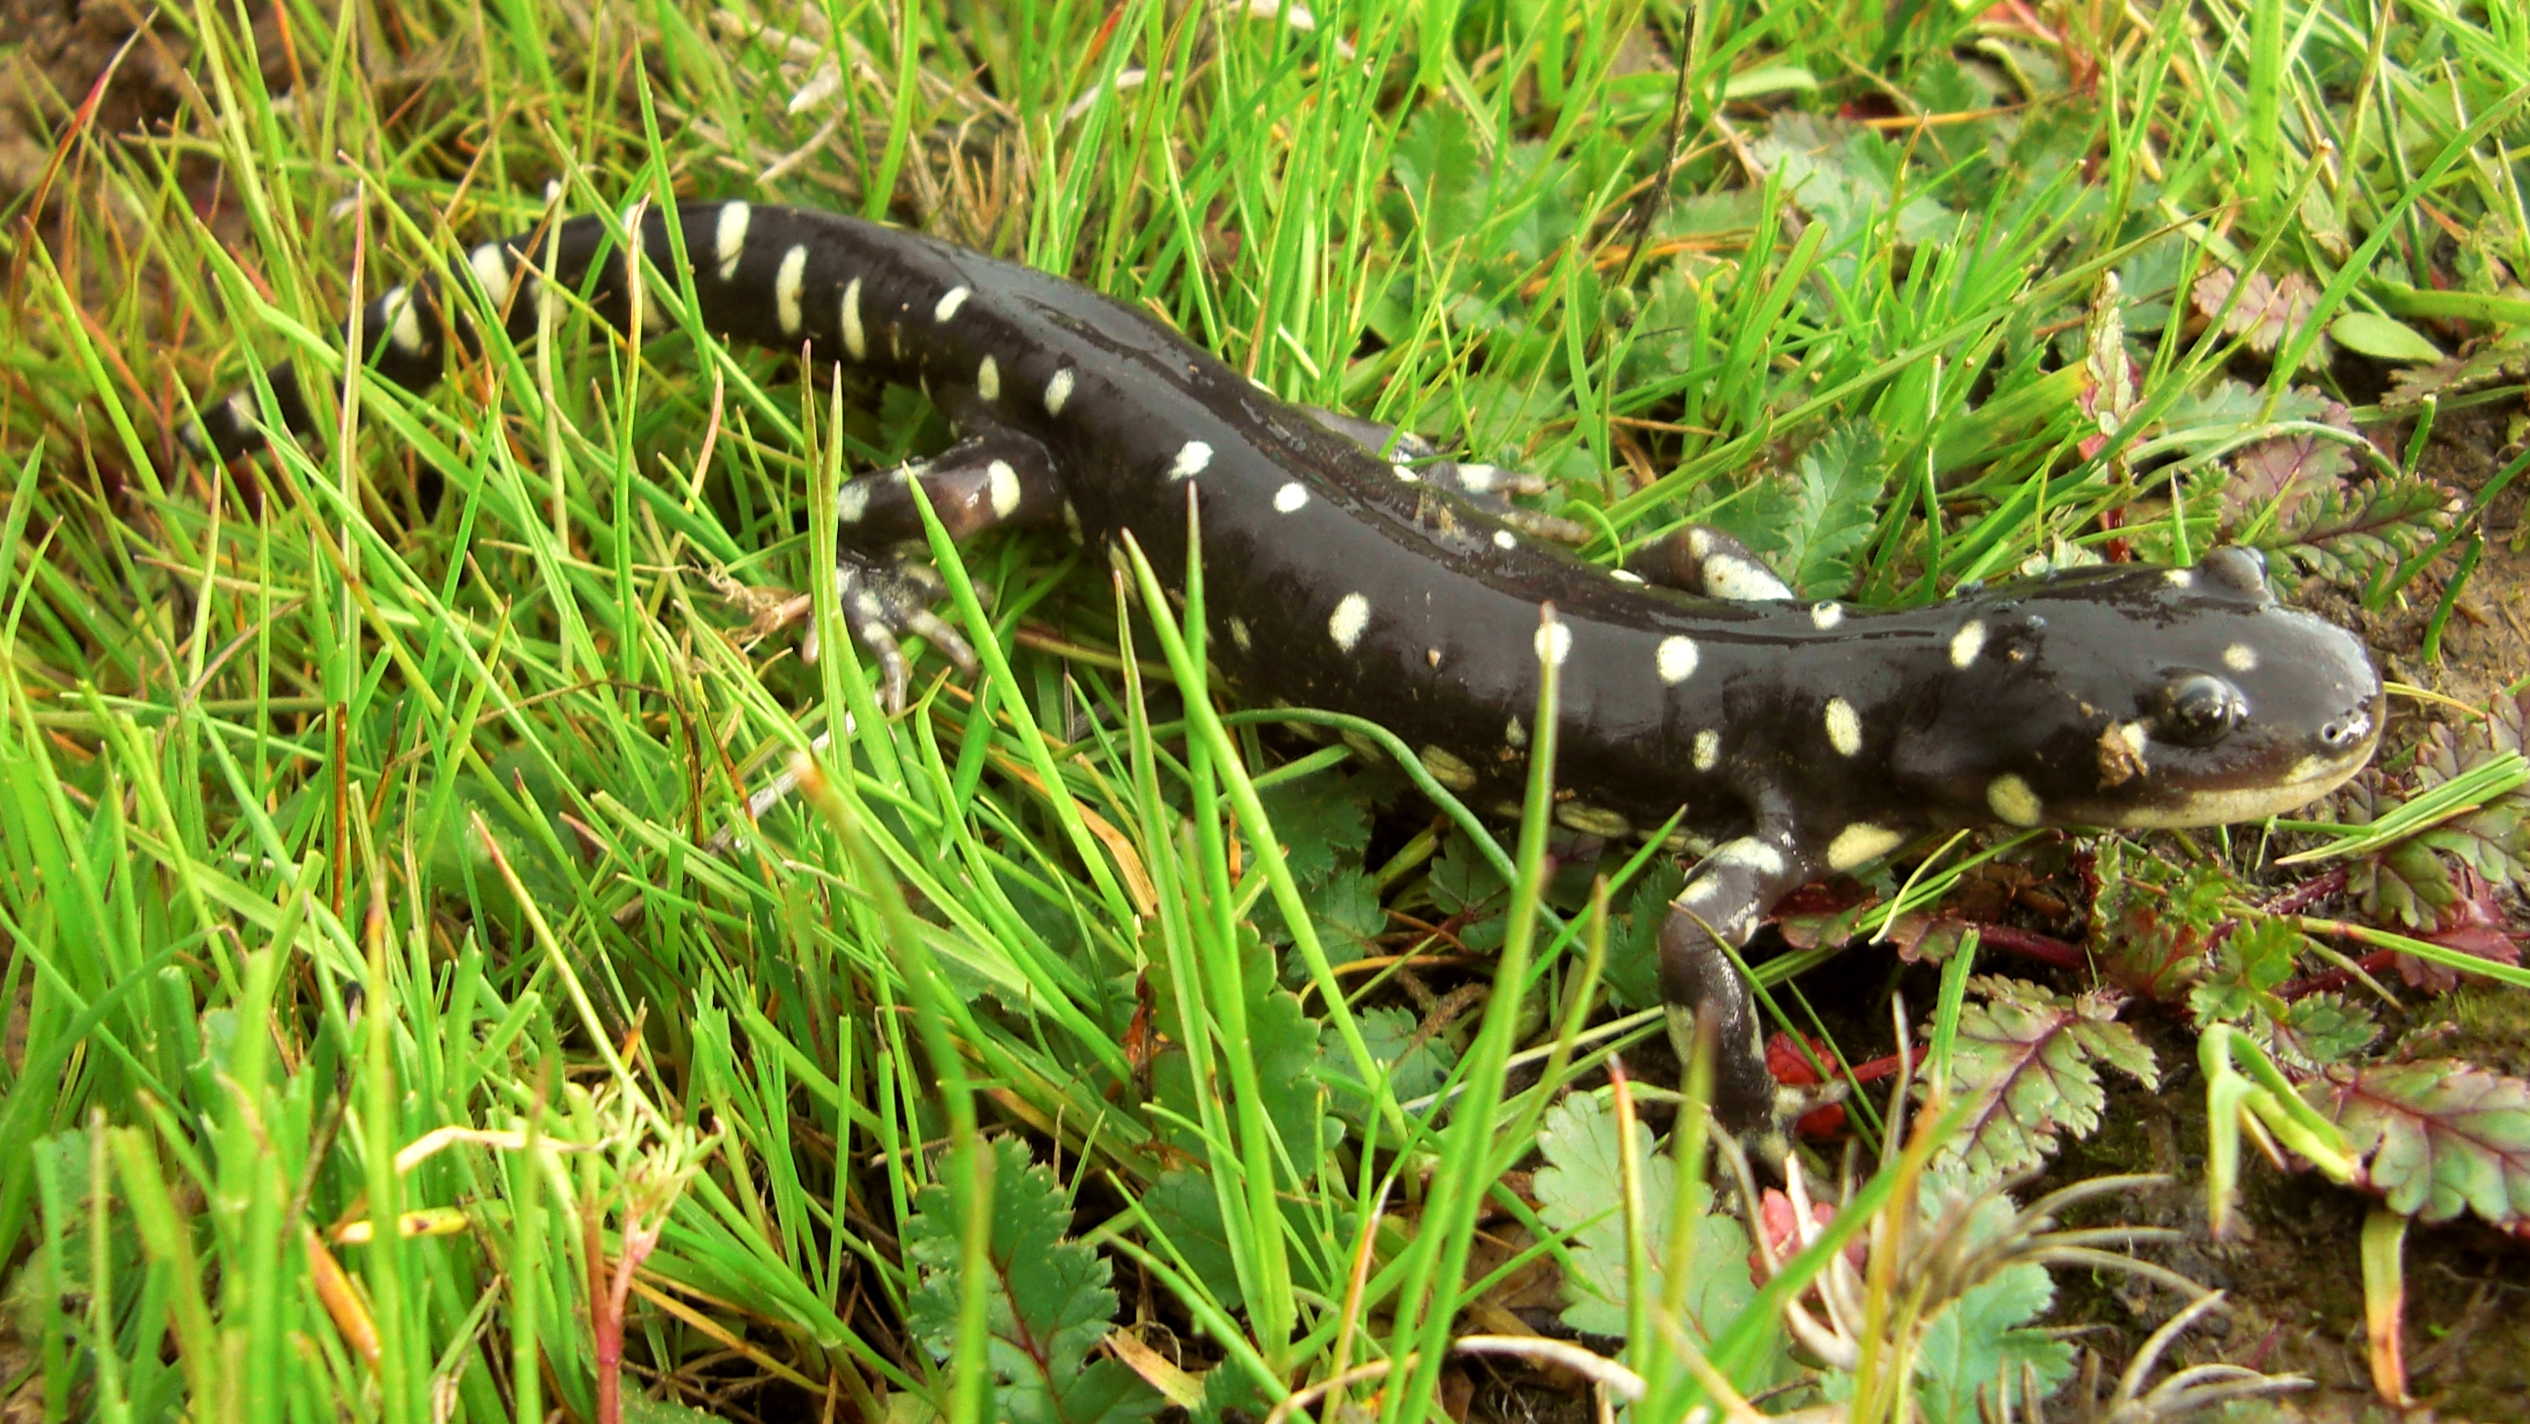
[2199, 710]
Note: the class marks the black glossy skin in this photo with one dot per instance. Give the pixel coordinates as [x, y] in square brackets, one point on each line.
[1803, 739]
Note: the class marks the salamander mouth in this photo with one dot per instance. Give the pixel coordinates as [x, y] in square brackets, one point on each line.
[2342, 749]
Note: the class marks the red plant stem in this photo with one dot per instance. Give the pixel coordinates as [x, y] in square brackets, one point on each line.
[2310, 892]
[2334, 979]
[2029, 944]
[2287, 902]
[1876, 1069]
[606, 1320]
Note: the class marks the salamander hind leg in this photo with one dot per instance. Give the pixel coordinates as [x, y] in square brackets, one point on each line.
[1700, 559]
[1724, 899]
[1487, 487]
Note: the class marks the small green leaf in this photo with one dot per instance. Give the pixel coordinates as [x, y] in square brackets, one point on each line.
[1321, 822]
[1186, 1210]
[2383, 338]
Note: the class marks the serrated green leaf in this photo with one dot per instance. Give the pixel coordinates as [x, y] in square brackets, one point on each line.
[1979, 1345]
[2436, 1137]
[1834, 508]
[2350, 536]
[1322, 823]
[2261, 952]
[2028, 1058]
[1183, 1205]
[2323, 1029]
[1417, 1063]
[1460, 879]
[1050, 1301]
[1580, 1193]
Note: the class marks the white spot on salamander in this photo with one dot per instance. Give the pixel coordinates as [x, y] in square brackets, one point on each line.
[1004, 483]
[1729, 576]
[1967, 643]
[1844, 729]
[950, 301]
[1859, 842]
[1553, 643]
[1826, 615]
[1192, 460]
[729, 238]
[786, 284]
[1405, 472]
[1290, 498]
[1625, 576]
[1505, 540]
[2012, 801]
[1750, 853]
[404, 321]
[1514, 734]
[1708, 749]
[1240, 635]
[988, 379]
[1351, 616]
[1058, 389]
[2181, 578]
[491, 265]
[852, 502]
[2240, 657]
[1676, 659]
[855, 340]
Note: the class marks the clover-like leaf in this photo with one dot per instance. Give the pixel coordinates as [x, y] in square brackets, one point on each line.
[2029, 1059]
[2436, 1137]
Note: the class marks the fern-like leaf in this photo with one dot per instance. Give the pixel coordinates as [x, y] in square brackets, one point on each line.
[2351, 535]
[1051, 1302]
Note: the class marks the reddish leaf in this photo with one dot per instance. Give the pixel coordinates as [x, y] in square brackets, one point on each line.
[2436, 1138]
[2029, 1059]
[2266, 312]
[2289, 471]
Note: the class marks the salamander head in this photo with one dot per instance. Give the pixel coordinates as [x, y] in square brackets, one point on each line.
[2141, 697]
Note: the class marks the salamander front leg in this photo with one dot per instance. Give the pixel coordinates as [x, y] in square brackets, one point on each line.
[884, 582]
[1723, 900]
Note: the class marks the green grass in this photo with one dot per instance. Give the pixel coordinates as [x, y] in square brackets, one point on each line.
[403, 787]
